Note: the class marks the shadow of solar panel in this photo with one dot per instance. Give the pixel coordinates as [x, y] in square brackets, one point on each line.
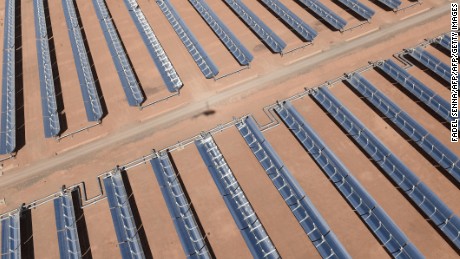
[321, 10]
[48, 94]
[90, 95]
[120, 59]
[306, 32]
[433, 207]
[431, 62]
[8, 117]
[391, 4]
[236, 48]
[69, 244]
[302, 208]
[416, 88]
[11, 237]
[359, 8]
[156, 51]
[365, 206]
[429, 144]
[199, 55]
[179, 208]
[122, 216]
[253, 232]
[275, 43]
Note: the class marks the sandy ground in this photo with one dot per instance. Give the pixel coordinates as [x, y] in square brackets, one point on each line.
[323, 195]
[158, 225]
[50, 164]
[44, 237]
[278, 220]
[221, 230]
[101, 233]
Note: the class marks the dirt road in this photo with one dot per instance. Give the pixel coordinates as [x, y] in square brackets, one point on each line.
[83, 152]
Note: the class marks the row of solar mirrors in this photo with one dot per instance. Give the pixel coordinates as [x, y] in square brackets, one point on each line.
[252, 230]
[133, 91]
[259, 243]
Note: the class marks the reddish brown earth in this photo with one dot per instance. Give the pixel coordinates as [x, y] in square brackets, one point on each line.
[275, 215]
[209, 205]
